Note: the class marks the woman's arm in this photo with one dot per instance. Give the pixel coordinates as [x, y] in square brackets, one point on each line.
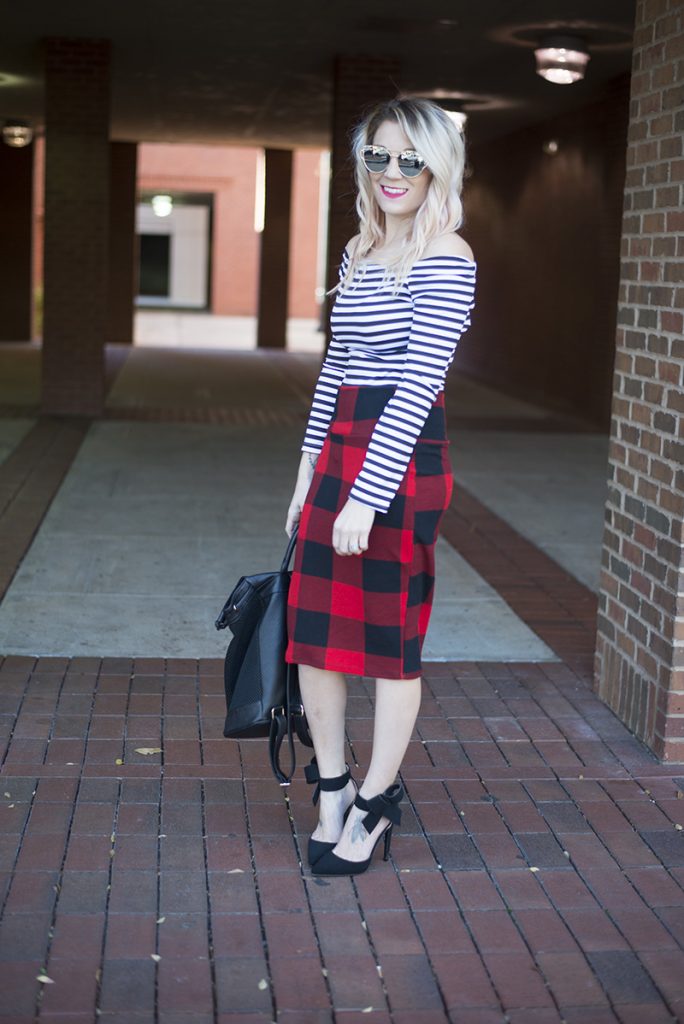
[330, 377]
[443, 293]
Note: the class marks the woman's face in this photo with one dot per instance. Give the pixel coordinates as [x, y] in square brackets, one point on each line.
[396, 195]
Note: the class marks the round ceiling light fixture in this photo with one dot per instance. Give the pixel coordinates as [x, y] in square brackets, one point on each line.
[17, 134]
[562, 59]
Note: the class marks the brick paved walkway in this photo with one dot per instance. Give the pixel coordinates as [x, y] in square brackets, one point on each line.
[536, 876]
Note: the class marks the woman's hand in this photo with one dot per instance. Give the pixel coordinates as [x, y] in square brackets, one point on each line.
[294, 511]
[352, 527]
[305, 474]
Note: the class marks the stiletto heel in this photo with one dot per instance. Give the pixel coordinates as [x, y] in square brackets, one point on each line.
[384, 805]
[316, 847]
[388, 840]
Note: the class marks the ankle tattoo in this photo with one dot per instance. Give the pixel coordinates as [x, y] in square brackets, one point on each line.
[358, 832]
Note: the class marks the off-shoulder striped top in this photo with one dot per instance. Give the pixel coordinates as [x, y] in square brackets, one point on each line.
[408, 340]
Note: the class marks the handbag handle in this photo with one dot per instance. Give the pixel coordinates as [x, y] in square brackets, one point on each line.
[290, 549]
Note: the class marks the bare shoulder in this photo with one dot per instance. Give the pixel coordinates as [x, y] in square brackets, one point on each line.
[450, 244]
[351, 245]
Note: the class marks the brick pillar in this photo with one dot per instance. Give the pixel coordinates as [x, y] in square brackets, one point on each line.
[16, 209]
[640, 638]
[275, 250]
[123, 248]
[76, 225]
[360, 82]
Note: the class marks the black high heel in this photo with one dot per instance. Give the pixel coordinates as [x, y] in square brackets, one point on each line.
[316, 847]
[384, 805]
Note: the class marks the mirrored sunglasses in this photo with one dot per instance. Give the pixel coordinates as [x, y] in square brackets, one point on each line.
[377, 159]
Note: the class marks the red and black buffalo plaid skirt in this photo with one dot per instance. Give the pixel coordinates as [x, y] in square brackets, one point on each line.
[368, 614]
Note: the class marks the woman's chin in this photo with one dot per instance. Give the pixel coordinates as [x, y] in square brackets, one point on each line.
[395, 207]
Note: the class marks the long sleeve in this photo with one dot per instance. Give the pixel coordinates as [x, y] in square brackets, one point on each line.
[443, 291]
[325, 394]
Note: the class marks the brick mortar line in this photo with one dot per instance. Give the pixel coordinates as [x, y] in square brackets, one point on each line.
[257, 891]
[423, 941]
[110, 875]
[294, 834]
[160, 834]
[377, 958]
[466, 924]
[40, 991]
[566, 741]
[26, 769]
[570, 864]
[211, 950]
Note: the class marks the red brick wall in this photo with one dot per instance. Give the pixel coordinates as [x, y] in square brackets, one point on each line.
[545, 230]
[640, 642]
[306, 184]
[228, 173]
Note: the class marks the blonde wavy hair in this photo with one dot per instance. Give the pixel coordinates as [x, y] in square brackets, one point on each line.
[434, 135]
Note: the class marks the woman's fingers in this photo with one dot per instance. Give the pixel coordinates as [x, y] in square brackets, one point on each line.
[352, 528]
[354, 543]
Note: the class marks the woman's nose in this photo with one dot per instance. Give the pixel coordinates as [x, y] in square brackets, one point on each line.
[393, 168]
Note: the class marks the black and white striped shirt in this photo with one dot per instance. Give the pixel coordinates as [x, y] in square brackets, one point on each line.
[408, 340]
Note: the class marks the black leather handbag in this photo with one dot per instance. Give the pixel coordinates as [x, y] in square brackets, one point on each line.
[262, 689]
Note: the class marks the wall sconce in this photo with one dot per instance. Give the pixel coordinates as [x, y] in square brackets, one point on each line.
[162, 206]
[17, 134]
[562, 59]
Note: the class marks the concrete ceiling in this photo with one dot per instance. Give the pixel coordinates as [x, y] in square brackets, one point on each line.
[261, 73]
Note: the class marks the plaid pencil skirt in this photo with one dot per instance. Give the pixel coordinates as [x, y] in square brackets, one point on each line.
[368, 614]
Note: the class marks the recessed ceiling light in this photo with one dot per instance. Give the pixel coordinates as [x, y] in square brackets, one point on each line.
[17, 134]
[562, 59]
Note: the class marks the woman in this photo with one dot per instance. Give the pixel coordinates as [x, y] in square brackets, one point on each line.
[375, 477]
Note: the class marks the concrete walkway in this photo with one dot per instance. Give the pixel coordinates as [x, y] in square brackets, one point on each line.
[154, 522]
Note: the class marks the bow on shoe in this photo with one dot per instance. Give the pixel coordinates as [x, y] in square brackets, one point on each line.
[384, 805]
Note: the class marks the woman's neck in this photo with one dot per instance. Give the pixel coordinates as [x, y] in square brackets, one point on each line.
[397, 232]
[392, 243]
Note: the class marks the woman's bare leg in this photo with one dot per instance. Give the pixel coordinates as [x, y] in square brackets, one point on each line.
[324, 696]
[397, 702]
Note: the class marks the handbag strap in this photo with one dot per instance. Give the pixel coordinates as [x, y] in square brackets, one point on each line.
[289, 549]
[282, 718]
[281, 726]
